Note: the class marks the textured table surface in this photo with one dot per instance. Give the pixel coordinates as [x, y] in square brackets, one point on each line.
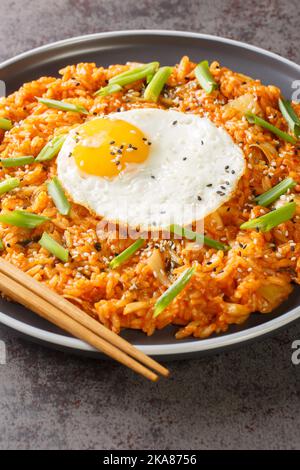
[247, 398]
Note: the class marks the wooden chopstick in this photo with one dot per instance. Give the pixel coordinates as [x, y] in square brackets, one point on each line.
[39, 298]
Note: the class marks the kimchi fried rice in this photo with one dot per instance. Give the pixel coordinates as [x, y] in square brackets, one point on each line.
[254, 275]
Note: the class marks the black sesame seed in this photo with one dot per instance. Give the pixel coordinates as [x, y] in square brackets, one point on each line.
[149, 143]
[209, 185]
[134, 148]
[153, 177]
[233, 172]
[144, 139]
[112, 142]
[199, 198]
[227, 167]
[174, 123]
[97, 246]
[222, 187]
[208, 263]
[184, 159]
[202, 143]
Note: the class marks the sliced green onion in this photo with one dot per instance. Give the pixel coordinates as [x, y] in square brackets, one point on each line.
[5, 124]
[126, 254]
[205, 78]
[116, 83]
[157, 83]
[133, 75]
[272, 219]
[169, 295]
[8, 185]
[1, 245]
[16, 161]
[274, 193]
[54, 247]
[149, 77]
[74, 108]
[290, 116]
[56, 192]
[253, 119]
[23, 219]
[108, 90]
[51, 149]
[198, 237]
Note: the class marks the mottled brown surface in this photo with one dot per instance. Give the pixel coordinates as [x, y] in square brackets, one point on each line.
[247, 398]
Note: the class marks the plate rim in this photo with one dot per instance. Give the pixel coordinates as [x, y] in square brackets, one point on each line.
[181, 347]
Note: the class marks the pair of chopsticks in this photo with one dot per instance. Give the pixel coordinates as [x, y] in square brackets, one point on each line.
[40, 299]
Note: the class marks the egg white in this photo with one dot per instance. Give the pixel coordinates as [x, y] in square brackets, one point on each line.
[190, 161]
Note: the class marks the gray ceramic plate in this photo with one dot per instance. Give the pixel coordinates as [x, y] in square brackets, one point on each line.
[167, 47]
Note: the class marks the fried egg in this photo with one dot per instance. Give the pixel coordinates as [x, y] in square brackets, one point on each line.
[150, 167]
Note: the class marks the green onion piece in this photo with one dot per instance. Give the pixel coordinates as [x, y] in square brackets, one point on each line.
[198, 237]
[16, 161]
[273, 194]
[8, 185]
[51, 149]
[126, 254]
[149, 77]
[272, 219]
[205, 78]
[74, 108]
[154, 88]
[290, 116]
[170, 294]
[133, 75]
[54, 247]
[253, 119]
[56, 192]
[23, 219]
[108, 90]
[1, 245]
[5, 124]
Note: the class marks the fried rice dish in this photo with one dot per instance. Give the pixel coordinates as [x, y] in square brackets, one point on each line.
[79, 148]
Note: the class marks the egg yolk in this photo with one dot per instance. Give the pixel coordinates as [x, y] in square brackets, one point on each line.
[105, 146]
